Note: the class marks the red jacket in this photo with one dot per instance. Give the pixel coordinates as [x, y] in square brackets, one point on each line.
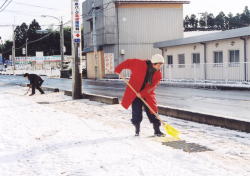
[138, 70]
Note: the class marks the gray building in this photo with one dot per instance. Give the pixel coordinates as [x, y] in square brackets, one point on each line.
[127, 29]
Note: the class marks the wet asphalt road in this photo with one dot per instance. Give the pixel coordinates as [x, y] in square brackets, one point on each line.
[230, 103]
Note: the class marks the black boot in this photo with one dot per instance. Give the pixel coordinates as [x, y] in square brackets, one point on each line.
[157, 131]
[137, 129]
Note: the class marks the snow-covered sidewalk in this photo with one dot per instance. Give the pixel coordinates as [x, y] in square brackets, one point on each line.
[52, 135]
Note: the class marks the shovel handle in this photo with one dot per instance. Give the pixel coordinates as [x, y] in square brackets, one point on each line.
[131, 87]
[27, 91]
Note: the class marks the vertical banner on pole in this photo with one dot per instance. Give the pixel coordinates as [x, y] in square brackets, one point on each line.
[109, 63]
[76, 22]
[76, 33]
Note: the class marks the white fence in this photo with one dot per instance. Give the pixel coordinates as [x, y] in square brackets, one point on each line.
[224, 73]
[48, 72]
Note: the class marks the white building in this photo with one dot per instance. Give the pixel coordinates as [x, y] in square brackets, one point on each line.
[217, 57]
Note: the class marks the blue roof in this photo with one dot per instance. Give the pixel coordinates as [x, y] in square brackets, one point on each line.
[240, 32]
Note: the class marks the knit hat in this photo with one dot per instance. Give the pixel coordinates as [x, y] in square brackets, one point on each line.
[157, 58]
[25, 74]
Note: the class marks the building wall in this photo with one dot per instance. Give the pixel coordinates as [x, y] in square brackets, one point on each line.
[229, 72]
[248, 57]
[140, 25]
[188, 72]
[87, 18]
[225, 46]
[91, 63]
[132, 28]
[110, 23]
[217, 72]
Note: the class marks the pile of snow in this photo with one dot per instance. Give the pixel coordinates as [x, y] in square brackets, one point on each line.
[53, 135]
[198, 33]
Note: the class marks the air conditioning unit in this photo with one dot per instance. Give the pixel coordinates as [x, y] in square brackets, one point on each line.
[122, 51]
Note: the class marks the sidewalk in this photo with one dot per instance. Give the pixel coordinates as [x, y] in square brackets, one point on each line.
[231, 104]
[234, 104]
[52, 135]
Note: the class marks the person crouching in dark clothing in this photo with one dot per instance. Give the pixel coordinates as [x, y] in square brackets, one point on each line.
[35, 82]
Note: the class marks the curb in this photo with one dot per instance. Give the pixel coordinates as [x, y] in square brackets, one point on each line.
[214, 120]
[95, 97]
[207, 86]
[224, 122]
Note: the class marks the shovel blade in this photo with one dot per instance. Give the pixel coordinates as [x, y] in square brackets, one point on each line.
[171, 131]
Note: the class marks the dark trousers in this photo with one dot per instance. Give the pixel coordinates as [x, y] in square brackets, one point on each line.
[137, 113]
[38, 87]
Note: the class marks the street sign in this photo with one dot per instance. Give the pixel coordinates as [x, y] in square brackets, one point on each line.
[76, 22]
[77, 40]
[109, 63]
[1, 58]
[23, 51]
[42, 31]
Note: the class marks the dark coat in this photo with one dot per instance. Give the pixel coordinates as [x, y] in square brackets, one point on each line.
[35, 79]
[138, 70]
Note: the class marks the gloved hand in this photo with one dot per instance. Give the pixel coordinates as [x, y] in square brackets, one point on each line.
[40, 83]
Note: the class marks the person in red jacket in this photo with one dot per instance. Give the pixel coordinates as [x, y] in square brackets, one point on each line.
[145, 77]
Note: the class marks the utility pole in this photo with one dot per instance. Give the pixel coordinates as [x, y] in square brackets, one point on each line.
[205, 15]
[72, 34]
[61, 43]
[61, 37]
[94, 40]
[26, 49]
[76, 32]
[14, 48]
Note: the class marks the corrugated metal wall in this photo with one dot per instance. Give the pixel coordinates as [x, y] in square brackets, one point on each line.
[87, 17]
[139, 28]
[110, 22]
[248, 58]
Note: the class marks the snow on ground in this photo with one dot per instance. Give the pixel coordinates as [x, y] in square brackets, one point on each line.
[52, 135]
[198, 33]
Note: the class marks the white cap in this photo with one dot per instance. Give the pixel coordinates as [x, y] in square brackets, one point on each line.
[157, 58]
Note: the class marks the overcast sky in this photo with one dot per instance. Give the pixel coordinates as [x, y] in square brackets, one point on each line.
[20, 11]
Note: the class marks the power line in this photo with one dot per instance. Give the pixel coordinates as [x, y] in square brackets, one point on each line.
[6, 6]
[28, 43]
[98, 10]
[37, 6]
[11, 25]
[22, 13]
[34, 40]
[6, 25]
[3, 4]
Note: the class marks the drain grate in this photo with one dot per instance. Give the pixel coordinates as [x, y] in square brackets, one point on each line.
[43, 102]
[186, 146]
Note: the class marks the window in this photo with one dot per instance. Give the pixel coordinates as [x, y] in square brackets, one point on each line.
[234, 56]
[170, 60]
[181, 60]
[218, 57]
[196, 58]
[91, 25]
